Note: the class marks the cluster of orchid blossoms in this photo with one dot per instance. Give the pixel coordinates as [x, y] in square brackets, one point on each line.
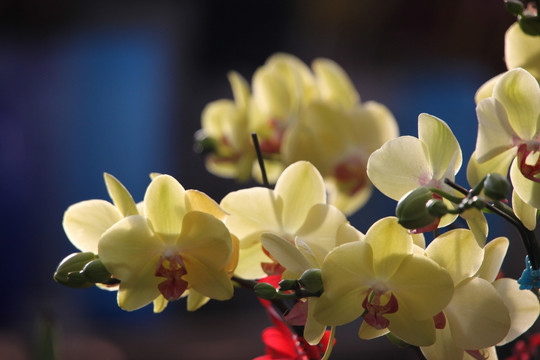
[292, 245]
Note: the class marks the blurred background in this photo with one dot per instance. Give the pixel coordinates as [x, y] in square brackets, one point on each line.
[119, 86]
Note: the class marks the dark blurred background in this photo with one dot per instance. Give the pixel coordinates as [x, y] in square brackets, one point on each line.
[119, 86]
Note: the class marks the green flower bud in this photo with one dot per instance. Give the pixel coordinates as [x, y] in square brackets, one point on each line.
[77, 279]
[530, 25]
[436, 207]
[287, 284]
[265, 291]
[496, 186]
[411, 209]
[73, 264]
[96, 272]
[515, 7]
[311, 280]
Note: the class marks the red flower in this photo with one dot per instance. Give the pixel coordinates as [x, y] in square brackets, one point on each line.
[525, 350]
[281, 343]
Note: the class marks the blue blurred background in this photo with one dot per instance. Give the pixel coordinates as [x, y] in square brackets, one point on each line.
[118, 86]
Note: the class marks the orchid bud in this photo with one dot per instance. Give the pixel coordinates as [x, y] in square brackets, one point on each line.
[436, 207]
[515, 7]
[66, 273]
[287, 284]
[204, 144]
[265, 291]
[311, 280]
[96, 272]
[496, 186]
[411, 209]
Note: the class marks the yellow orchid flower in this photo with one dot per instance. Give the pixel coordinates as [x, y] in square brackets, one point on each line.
[296, 207]
[225, 124]
[406, 163]
[173, 247]
[484, 311]
[508, 131]
[337, 134]
[382, 279]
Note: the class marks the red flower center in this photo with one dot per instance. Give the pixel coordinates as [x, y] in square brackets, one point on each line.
[375, 309]
[529, 161]
[172, 269]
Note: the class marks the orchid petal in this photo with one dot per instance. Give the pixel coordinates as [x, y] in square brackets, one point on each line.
[120, 196]
[495, 133]
[400, 166]
[524, 212]
[522, 50]
[160, 303]
[199, 201]
[164, 205]
[390, 243]
[206, 239]
[444, 347]
[527, 190]
[458, 252]
[334, 84]
[141, 290]
[300, 186]
[413, 331]
[442, 145]
[486, 90]
[252, 211]
[522, 305]
[368, 332]
[498, 164]
[249, 262]
[494, 253]
[422, 296]
[129, 246]
[477, 315]
[207, 280]
[519, 93]
[346, 233]
[285, 253]
[85, 222]
[477, 223]
[195, 300]
[313, 330]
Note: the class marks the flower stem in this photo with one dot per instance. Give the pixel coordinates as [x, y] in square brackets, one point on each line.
[260, 159]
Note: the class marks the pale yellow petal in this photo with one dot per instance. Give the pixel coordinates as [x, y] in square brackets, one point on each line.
[443, 147]
[343, 200]
[120, 196]
[164, 205]
[249, 262]
[270, 93]
[334, 84]
[207, 280]
[494, 253]
[313, 330]
[390, 243]
[252, 212]
[285, 253]
[371, 125]
[160, 303]
[498, 164]
[458, 252]
[195, 300]
[518, 92]
[413, 331]
[525, 213]
[522, 305]
[527, 190]
[85, 222]
[342, 309]
[522, 50]
[400, 166]
[240, 89]
[130, 246]
[141, 290]
[368, 332]
[319, 229]
[199, 201]
[444, 347]
[206, 239]
[495, 134]
[347, 233]
[486, 90]
[477, 315]
[300, 186]
[347, 268]
[478, 224]
[421, 286]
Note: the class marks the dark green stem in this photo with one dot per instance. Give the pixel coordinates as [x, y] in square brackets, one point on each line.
[260, 159]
